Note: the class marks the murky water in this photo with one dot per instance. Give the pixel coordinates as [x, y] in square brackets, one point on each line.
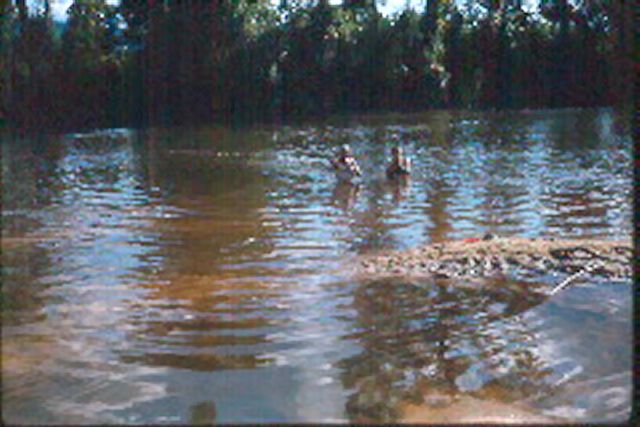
[177, 276]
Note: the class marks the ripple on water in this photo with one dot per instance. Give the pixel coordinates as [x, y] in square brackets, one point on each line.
[153, 276]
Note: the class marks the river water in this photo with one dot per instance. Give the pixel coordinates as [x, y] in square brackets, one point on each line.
[198, 275]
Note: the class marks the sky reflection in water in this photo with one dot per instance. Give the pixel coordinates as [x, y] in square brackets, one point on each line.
[193, 275]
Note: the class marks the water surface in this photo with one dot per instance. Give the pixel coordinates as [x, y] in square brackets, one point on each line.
[191, 275]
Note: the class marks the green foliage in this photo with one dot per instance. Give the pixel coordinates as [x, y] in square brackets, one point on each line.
[91, 63]
[7, 16]
[177, 62]
[90, 40]
[30, 66]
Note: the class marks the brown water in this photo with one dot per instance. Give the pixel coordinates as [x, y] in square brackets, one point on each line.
[177, 276]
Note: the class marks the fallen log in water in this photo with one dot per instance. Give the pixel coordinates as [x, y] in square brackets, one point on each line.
[493, 256]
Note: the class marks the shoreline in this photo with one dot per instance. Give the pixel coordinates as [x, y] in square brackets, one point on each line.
[499, 256]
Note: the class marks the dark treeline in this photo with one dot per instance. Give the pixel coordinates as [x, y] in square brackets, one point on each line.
[168, 62]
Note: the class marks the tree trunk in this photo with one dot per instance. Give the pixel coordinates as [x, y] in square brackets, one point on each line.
[22, 10]
[621, 13]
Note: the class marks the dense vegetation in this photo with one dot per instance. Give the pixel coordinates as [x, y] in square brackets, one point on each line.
[183, 62]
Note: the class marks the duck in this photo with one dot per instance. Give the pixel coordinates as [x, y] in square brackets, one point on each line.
[345, 165]
[399, 165]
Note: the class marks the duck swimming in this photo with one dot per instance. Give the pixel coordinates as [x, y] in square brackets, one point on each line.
[400, 165]
[345, 165]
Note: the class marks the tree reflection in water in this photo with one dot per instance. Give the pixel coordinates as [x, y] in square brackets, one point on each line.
[436, 340]
[194, 304]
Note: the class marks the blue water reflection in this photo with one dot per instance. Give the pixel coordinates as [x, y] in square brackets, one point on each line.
[167, 276]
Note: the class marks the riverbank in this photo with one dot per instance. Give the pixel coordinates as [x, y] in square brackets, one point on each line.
[491, 256]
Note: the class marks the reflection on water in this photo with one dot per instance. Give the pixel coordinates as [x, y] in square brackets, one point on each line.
[203, 413]
[438, 336]
[187, 276]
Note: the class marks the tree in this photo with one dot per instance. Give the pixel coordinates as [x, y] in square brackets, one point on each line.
[90, 63]
[305, 61]
[33, 48]
[179, 62]
[7, 25]
[621, 39]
